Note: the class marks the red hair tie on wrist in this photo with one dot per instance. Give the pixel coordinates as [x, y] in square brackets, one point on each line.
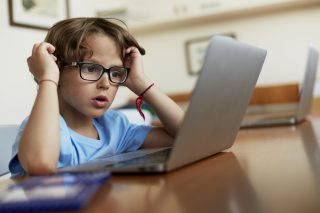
[139, 101]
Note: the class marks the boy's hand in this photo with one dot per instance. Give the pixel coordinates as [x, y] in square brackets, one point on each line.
[137, 80]
[42, 62]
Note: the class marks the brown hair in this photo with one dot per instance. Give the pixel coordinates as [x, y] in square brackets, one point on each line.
[69, 37]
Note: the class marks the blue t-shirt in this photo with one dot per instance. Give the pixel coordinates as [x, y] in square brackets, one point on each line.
[116, 135]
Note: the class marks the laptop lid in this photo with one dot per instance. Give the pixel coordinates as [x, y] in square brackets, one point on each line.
[306, 93]
[219, 100]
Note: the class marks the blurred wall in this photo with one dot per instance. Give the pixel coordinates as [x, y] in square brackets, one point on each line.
[285, 34]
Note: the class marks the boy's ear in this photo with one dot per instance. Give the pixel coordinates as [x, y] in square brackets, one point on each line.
[60, 65]
[126, 59]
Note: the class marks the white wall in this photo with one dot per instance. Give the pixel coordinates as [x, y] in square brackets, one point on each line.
[286, 35]
[17, 89]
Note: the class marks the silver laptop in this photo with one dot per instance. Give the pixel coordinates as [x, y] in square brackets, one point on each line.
[218, 103]
[297, 112]
[7, 137]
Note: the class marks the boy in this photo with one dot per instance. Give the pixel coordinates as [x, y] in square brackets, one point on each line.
[79, 68]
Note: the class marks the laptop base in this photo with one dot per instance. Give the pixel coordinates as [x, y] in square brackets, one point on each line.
[140, 161]
[269, 123]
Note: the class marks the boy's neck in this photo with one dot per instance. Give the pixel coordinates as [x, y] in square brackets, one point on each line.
[81, 125]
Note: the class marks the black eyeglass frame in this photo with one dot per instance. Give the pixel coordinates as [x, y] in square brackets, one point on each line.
[104, 70]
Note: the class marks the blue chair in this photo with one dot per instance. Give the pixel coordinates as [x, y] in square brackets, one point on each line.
[7, 138]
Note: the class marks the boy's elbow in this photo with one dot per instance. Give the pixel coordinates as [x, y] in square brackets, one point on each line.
[40, 167]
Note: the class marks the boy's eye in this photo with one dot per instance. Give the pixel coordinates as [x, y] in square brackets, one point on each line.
[115, 74]
[90, 68]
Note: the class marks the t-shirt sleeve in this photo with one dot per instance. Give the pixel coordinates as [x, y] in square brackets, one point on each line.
[129, 137]
[14, 165]
[135, 137]
[67, 150]
[134, 134]
[65, 156]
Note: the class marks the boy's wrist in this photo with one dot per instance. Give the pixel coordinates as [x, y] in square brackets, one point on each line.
[49, 81]
[48, 78]
[140, 86]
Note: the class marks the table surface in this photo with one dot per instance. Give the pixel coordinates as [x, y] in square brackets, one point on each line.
[273, 169]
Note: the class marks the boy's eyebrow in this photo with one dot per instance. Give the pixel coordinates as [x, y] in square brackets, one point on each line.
[97, 62]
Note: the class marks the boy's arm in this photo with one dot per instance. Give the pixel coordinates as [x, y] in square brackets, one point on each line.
[169, 113]
[40, 142]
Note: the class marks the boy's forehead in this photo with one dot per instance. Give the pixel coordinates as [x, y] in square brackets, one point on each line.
[100, 40]
[103, 50]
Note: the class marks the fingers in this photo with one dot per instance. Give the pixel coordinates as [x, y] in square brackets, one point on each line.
[40, 50]
[43, 46]
[50, 47]
[54, 57]
[42, 60]
[132, 50]
[29, 63]
[34, 48]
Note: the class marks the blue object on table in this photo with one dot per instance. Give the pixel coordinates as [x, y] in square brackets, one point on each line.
[47, 193]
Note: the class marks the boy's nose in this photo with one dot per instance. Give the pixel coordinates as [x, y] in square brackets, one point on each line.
[104, 81]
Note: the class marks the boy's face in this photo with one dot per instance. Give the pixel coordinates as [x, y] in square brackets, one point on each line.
[78, 97]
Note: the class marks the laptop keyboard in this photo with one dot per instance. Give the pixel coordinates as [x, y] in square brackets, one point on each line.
[149, 159]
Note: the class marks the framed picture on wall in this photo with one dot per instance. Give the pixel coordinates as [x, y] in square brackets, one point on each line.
[195, 50]
[37, 14]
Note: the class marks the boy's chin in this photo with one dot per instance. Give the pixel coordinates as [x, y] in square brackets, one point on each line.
[97, 113]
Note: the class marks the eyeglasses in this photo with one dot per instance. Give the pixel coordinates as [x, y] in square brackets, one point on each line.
[93, 72]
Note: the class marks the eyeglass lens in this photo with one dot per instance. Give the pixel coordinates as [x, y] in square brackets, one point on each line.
[93, 72]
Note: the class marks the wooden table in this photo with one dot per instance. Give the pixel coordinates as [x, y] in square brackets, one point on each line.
[267, 170]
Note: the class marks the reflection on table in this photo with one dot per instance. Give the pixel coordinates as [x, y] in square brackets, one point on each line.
[218, 182]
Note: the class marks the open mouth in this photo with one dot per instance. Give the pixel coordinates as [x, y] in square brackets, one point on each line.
[100, 101]
[101, 98]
